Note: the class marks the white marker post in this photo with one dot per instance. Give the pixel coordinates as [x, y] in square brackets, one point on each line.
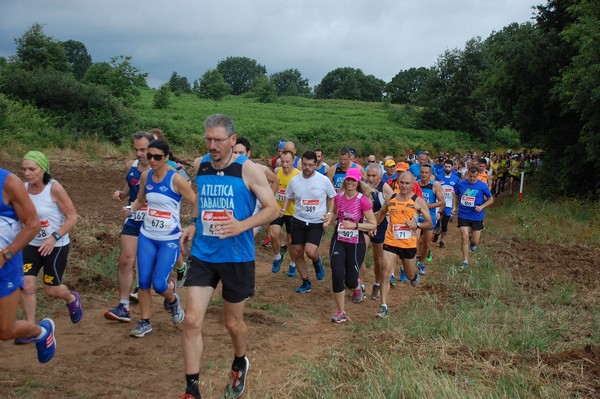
[521, 187]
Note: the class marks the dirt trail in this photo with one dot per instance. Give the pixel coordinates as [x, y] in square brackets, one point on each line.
[97, 358]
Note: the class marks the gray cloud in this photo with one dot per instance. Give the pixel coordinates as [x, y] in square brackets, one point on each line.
[315, 37]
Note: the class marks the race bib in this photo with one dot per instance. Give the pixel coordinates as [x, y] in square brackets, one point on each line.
[280, 194]
[402, 232]
[159, 220]
[310, 205]
[448, 195]
[347, 235]
[140, 214]
[467, 200]
[45, 231]
[209, 218]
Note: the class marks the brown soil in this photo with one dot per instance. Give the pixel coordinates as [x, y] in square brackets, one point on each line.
[98, 359]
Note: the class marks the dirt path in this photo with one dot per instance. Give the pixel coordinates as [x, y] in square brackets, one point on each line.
[97, 358]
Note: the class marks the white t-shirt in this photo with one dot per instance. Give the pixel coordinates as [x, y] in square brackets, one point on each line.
[310, 196]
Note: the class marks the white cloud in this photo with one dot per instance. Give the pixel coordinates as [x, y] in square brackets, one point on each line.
[313, 36]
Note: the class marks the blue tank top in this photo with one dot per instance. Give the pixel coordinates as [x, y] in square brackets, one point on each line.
[340, 175]
[133, 181]
[6, 211]
[220, 190]
[162, 221]
[429, 197]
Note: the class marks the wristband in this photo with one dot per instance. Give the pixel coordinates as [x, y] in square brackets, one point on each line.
[193, 220]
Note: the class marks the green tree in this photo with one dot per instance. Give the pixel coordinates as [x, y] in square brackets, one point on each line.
[290, 83]
[162, 97]
[78, 57]
[240, 73]
[212, 85]
[406, 85]
[121, 78]
[265, 90]
[36, 50]
[578, 87]
[350, 84]
[179, 84]
[450, 94]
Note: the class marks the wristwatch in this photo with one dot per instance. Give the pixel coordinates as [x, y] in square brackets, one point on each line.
[7, 254]
[418, 225]
[56, 236]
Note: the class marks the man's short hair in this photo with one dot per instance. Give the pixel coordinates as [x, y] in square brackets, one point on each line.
[344, 151]
[310, 155]
[143, 135]
[220, 120]
[243, 141]
[473, 169]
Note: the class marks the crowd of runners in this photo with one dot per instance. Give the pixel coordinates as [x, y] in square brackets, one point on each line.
[400, 207]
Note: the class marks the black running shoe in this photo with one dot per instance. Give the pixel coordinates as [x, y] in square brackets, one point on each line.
[237, 381]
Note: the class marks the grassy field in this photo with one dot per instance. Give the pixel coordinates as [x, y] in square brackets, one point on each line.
[480, 334]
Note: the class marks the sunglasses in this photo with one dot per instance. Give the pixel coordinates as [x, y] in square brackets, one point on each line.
[157, 157]
[371, 161]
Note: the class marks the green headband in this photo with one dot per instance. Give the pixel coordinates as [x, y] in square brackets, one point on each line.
[38, 158]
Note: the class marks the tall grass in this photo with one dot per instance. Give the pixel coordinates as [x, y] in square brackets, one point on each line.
[311, 123]
[478, 334]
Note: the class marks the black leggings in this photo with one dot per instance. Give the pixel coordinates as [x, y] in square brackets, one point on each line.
[345, 259]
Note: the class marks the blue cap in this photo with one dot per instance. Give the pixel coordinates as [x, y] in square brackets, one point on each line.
[281, 145]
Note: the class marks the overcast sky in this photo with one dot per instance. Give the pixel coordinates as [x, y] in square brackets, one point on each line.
[381, 37]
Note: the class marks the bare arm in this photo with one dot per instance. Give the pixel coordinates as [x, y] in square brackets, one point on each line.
[119, 195]
[60, 196]
[14, 193]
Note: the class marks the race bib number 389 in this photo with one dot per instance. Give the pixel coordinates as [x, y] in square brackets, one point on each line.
[209, 218]
[467, 200]
[310, 205]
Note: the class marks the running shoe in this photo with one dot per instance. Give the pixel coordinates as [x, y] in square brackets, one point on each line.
[133, 297]
[435, 237]
[392, 280]
[24, 341]
[442, 245]
[46, 346]
[142, 329]
[237, 381]
[464, 265]
[118, 313]
[473, 247]
[177, 312]
[277, 264]
[415, 281]
[292, 271]
[266, 242]
[375, 294]
[181, 275]
[339, 317]
[383, 312]
[403, 278]
[357, 295]
[75, 308]
[304, 288]
[421, 267]
[319, 269]
[192, 392]
[429, 256]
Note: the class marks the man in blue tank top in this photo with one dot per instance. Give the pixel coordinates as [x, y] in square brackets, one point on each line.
[223, 247]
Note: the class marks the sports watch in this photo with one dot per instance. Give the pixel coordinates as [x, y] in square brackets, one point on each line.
[56, 236]
[7, 254]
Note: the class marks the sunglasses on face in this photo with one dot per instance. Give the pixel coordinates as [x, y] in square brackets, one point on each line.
[157, 157]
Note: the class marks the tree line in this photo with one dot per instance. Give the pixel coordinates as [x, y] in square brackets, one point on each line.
[540, 78]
